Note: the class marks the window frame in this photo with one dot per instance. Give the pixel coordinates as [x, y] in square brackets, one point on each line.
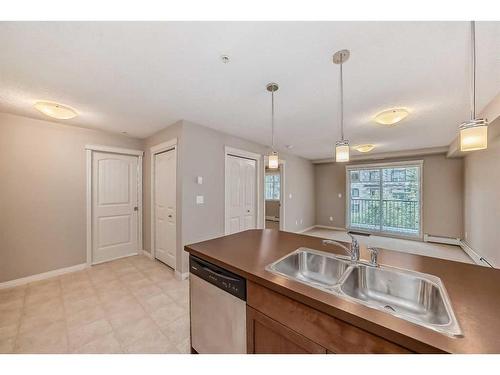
[409, 163]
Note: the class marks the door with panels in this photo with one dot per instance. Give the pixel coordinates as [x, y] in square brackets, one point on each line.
[114, 206]
[165, 206]
[241, 194]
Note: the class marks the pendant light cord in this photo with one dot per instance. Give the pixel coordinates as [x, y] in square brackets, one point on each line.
[272, 120]
[473, 61]
[341, 100]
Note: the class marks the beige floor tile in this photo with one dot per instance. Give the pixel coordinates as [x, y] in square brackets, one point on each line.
[48, 339]
[136, 330]
[107, 344]
[72, 306]
[167, 314]
[100, 276]
[129, 315]
[177, 331]
[85, 316]
[77, 294]
[147, 291]
[131, 277]
[139, 284]
[154, 302]
[8, 331]
[32, 299]
[77, 286]
[185, 346]
[118, 303]
[86, 333]
[7, 345]
[153, 343]
[32, 321]
[12, 304]
[179, 295]
[8, 317]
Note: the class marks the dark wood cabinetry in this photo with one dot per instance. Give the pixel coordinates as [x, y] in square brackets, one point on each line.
[277, 324]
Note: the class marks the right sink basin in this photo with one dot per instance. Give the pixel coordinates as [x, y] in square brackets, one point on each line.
[416, 297]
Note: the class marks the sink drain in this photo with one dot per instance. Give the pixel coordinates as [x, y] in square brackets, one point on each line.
[388, 307]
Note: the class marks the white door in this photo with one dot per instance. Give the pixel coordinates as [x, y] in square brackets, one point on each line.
[165, 206]
[241, 199]
[114, 206]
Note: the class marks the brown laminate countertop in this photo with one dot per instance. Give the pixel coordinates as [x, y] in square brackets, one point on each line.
[474, 291]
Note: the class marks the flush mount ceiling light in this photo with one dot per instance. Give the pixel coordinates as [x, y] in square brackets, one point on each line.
[364, 148]
[55, 110]
[473, 133]
[273, 156]
[391, 116]
[342, 146]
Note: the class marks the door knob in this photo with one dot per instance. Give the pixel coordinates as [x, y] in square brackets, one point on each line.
[248, 210]
[169, 215]
[136, 208]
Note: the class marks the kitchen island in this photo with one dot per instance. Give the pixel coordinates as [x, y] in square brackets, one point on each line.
[286, 316]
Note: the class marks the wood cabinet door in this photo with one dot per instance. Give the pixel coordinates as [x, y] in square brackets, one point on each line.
[267, 336]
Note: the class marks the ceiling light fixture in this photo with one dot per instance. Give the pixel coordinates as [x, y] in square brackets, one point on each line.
[273, 156]
[473, 133]
[391, 116]
[55, 110]
[364, 148]
[342, 146]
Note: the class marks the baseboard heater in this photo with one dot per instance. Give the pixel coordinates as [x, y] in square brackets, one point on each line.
[441, 239]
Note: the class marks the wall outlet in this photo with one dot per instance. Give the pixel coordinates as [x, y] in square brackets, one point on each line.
[199, 180]
[340, 195]
[200, 199]
[296, 222]
[331, 218]
[290, 195]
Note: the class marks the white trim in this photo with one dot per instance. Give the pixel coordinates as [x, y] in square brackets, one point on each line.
[441, 239]
[329, 227]
[42, 276]
[306, 229]
[406, 163]
[260, 170]
[114, 150]
[147, 254]
[89, 149]
[181, 275]
[473, 255]
[171, 144]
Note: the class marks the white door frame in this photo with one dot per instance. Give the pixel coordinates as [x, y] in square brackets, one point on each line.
[282, 189]
[89, 149]
[259, 181]
[171, 144]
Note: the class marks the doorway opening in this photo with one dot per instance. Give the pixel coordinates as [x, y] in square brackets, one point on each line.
[274, 197]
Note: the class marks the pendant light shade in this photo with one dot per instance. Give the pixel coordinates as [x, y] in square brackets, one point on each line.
[342, 146]
[473, 133]
[273, 156]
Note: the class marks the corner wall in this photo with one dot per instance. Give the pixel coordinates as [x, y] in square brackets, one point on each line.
[43, 193]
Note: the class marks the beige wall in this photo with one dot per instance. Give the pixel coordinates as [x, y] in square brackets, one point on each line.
[42, 193]
[442, 194]
[202, 154]
[482, 198]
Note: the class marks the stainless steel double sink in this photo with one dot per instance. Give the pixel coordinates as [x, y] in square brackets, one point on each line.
[413, 296]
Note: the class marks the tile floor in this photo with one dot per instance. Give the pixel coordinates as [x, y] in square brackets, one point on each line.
[449, 252]
[130, 305]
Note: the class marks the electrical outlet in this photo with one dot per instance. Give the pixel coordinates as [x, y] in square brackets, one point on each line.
[296, 222]
[200, 199]
[331, 218]
[340, 195]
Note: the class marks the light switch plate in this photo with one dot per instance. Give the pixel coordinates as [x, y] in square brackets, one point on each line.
[199, 180]
[200, 199]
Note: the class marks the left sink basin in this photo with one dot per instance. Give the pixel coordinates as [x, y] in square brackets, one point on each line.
[311, 267]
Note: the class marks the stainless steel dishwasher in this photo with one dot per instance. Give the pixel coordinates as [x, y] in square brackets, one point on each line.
[218, 309]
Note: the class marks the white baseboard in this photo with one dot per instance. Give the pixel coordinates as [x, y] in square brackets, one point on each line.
[147, 253]
[441, 239]
[305, 230]
[42, 276]
[328, 227]
[478, 259]
[181, 275]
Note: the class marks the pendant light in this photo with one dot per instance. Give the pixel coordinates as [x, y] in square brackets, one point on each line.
[473, 133]
[273, 156]
[342, 146]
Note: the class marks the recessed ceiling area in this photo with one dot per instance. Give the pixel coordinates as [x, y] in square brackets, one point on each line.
[139, 77]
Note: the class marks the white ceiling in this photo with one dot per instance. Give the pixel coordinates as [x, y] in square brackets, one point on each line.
[140, 77]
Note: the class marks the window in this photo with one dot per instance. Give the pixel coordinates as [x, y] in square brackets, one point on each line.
[385, 198]
[272, 186]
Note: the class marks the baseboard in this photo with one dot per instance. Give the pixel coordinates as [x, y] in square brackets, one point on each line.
[272, 218]
[478, 259]
[181, 275]
[42, 276]
[305, 230]
[328, 227]
[147, 253]
[441, 239]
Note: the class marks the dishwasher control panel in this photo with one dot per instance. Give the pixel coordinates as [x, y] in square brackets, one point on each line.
[221, 278]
